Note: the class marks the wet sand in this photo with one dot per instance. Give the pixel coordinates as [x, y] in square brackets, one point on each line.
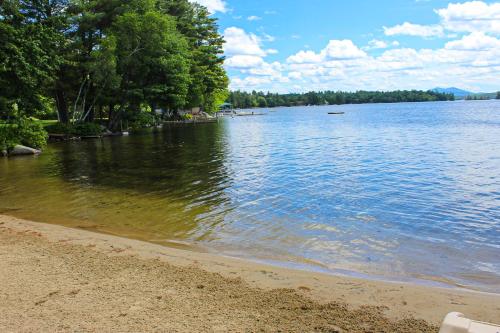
[54, 278]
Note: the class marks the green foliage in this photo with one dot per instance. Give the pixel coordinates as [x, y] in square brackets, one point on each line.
[78, 129]
[47, 109]
[31, 133]
[28, 62]
[143, 119]
[8, 136]
[154, 58]
[477, 97]
[86, 129]
[23, 131]
[241, 99]
[187, 116]
[208, 77]
[59, 128]
[84, 57]
[213, 101]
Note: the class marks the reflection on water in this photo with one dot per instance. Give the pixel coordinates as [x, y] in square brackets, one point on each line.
[153, 186]
[401, 190]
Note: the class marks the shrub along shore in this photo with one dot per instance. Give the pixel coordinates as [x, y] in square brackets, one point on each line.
[123, 61]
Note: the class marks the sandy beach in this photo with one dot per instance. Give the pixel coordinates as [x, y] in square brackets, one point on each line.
[54, 278]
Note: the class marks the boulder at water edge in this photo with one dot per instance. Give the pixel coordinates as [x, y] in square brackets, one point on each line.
[23, 150]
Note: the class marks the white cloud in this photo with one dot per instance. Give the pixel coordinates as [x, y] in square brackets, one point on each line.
[239, 42]
[244, 61]
[377, 44]
[471, 61]
[411, 29]
[304, 57]
[476, 41]
[472, 16]
[295, 75]
[245, 54]
[265, 69]
[380, 44]
[335, 50]
[248, 82]
[254, 18]
[268, 38]
[213, 5]
[342, 49]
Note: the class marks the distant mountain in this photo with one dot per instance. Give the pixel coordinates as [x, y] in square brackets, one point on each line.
[459, 93]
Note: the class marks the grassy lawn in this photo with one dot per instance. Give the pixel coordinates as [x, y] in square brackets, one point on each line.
[45, 123]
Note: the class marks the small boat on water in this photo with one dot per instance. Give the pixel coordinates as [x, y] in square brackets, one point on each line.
[336, 112]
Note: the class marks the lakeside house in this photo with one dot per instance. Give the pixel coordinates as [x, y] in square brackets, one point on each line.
[196, 111]
[226, 109]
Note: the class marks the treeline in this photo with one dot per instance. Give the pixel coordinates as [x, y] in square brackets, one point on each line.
[241, 99]
[112, 59]
[478, 97]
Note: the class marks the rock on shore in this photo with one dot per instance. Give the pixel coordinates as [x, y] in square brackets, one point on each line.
[23, 150]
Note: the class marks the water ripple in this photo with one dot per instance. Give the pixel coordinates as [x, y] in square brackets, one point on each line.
[400, 190]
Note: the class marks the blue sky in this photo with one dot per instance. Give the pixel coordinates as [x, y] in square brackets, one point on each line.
[296, 45]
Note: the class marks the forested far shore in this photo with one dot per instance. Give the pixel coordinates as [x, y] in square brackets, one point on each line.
[76, 61]
[244, 100]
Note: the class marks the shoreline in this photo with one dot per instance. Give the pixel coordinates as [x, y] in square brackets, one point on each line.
[393, 303]
[281, 261]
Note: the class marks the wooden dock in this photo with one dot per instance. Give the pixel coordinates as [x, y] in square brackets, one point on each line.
[192, 121]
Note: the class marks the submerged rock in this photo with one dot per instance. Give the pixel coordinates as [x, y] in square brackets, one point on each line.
[3, 153]
[23, 150]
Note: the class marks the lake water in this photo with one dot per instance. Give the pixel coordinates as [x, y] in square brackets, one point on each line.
[394, 191]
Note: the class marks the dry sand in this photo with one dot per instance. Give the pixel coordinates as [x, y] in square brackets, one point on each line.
[54, 278]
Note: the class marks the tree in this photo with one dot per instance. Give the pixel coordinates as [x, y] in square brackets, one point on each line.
[125, 56]
[28, 65]
[208, 87]
[151, 60]
[241, 99]
[261, 102]
[53, 16]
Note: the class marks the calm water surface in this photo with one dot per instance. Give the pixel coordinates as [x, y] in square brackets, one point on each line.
[399, 191]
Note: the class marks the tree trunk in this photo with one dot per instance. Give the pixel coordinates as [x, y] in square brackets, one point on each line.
[114, 117]
[100, 115]
[110, 115]
[91, 116]
[62, 106]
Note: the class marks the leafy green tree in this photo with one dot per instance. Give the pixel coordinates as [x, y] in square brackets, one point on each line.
[261, 102]
[208, 87]
[151, 60]
[28, 65]
[53, 17]
[126, 57]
